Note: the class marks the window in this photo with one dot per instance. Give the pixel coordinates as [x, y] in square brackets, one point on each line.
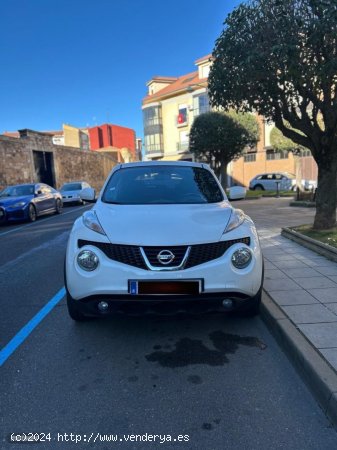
[182, 115]
[249, 157]
[274, 155]
[153, 143]
[200, 104]
[305, 153]
[152, 116]
[155, 184]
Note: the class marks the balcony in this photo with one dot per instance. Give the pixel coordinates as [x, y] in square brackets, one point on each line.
[182, 147]
[154, 151]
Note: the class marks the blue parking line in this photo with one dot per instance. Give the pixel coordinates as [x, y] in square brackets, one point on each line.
[22, 335]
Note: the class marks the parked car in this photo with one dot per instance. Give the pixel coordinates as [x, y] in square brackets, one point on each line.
[286, 182]
[28, 201]
[162, 233]
[71, 191]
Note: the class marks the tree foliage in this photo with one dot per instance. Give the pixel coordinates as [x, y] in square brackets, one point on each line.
[281, 143]
[279, 58]
[218, 137]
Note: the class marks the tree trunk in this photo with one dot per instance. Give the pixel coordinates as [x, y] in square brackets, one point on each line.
[326, 196]
[223, 175]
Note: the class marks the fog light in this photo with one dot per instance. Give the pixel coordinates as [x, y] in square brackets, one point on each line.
[241, 258]
[103, 306]
[227, 303]
[87, 260]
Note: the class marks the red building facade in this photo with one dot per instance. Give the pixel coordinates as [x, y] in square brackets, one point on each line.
[108, 135]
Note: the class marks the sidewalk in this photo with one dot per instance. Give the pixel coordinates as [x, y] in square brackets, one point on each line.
[300, 309]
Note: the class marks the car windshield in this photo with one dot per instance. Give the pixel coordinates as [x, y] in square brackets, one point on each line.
[17, 191]
[71, 187]
[162, 185]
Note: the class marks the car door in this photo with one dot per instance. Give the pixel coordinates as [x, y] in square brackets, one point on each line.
[50, 200]
[269, 182]
[40, 200]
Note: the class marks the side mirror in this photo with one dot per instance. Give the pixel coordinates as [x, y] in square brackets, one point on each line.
[88, 195]
[237, 193]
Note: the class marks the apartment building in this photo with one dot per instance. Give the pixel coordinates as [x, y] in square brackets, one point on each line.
[169, 109]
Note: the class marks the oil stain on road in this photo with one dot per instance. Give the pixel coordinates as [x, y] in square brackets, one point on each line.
[189, 351]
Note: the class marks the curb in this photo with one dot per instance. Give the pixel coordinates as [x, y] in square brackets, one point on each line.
[318, 247]
[302, 204]
[318, 375]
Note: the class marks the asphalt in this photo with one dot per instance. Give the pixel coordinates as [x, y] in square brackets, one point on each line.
[223, 381]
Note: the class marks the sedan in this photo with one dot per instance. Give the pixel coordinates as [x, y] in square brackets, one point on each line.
[162, 234]
[71, 191]
[28, 201]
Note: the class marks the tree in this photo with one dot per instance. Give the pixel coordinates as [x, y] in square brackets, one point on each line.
[279, 58]
[218, 138]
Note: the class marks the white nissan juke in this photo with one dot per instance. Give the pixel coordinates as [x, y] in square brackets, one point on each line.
[162, 234]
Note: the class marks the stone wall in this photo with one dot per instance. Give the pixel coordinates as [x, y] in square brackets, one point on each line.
[69, 164]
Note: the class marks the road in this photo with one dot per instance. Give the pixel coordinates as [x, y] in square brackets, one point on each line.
[221, 382]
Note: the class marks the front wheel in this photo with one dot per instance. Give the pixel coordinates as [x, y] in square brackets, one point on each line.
[258, 187]
[253, 308]
[58, 206]
[74, 310]
[32, 213]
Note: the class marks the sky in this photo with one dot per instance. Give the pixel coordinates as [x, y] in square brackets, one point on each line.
[87, 62]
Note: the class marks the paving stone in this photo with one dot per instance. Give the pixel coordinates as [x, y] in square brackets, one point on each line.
[280, 285]
[268, 265]
[327, 270]
[320, 262]
[327, 295]
[330, 354]
[334, 279]
[296, 297]
[322, 336]
[273, 274]
[292, 264]
[304, 272]
[315, 282]
[310, 313]
[332, 307]
[279, 257]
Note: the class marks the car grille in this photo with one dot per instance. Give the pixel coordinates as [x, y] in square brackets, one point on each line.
[131, 254]
[178, 252]
[203, 253]
[126, 254]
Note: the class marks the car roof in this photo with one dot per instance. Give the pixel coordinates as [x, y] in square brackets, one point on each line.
[163, 163]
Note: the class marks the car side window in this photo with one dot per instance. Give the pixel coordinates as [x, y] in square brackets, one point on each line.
[269, 176]
[259, 177]
[278, 176]
[264, 177]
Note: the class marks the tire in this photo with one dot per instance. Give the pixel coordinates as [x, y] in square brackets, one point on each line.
[58, 206]
[32, 213]
[258, 187]
[73, 306]
[74, 311]
[253, 309]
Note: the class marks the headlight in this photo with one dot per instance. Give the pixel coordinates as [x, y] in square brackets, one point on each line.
[87, 260]
[241, 258]
[90, 221]
[19, 204]
[236, 219]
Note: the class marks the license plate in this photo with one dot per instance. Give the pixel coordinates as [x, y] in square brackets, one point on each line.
[165, 287]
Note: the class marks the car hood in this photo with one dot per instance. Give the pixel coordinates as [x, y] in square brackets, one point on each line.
[163, 224]
[8, 201]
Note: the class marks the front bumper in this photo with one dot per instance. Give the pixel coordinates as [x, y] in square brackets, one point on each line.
[13, 214]
[110, 281]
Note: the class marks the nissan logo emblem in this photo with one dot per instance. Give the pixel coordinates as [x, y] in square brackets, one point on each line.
[165, 257]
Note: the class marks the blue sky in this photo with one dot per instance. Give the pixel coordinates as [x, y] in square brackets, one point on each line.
[86, 62]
